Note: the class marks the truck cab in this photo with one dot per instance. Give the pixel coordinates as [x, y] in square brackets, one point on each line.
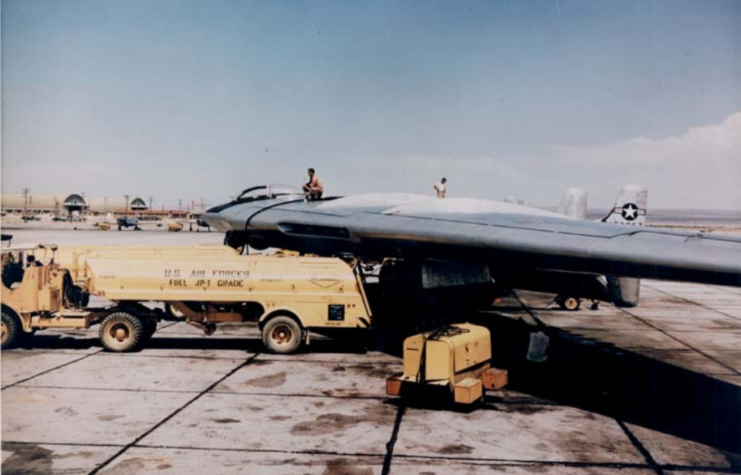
[32, 284]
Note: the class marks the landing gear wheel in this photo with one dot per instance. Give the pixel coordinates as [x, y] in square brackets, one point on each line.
[571, 304]
[121, 332]
[12, 330]
[282, 335]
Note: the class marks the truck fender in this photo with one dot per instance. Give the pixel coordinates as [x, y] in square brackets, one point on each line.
[281, 312]
[25, 321]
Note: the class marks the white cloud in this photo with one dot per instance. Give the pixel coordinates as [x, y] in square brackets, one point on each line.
[700, 168]
[721, 143]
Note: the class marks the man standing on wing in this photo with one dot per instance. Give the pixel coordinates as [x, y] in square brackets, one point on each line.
[440, 188]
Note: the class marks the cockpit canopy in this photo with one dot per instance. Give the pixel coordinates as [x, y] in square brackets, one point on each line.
[264, 192]
[268, 192]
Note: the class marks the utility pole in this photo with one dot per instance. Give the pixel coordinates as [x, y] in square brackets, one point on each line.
[127, 204]
[25, 201]
[180, 204]
[151, 202]
[203, 205]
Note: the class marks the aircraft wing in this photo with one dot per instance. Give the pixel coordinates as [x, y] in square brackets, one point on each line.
[499, 234]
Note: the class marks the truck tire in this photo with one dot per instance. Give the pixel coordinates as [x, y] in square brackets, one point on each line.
[282, 335]
[12, 330]
[121, 332]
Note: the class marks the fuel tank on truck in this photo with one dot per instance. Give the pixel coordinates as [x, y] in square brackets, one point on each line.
[73, 257]
[233, 278]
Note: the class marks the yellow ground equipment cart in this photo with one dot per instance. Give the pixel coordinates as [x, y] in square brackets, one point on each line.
[287, 296]
[452, 362]
[175, 227]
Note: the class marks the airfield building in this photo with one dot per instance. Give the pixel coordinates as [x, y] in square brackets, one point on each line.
[75, 204]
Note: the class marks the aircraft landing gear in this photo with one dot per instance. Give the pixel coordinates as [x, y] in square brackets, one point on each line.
[569, 303]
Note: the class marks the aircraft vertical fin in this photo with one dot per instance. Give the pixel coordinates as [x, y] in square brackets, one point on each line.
[630, 207]
[573, 203]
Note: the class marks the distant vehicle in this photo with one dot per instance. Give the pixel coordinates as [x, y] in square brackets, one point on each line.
[175, 227]
[31, 218]
[128, 222]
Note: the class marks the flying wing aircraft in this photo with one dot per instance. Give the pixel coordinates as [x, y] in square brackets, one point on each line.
[471, 232]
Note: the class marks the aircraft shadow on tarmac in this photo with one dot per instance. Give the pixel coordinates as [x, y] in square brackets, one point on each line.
[601, 378]
[579, 372]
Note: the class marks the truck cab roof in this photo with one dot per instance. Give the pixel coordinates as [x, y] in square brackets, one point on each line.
[30, 247]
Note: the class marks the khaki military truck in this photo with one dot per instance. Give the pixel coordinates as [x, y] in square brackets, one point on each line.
[288, 296]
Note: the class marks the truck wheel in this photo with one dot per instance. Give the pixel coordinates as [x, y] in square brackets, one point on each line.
[121, 332]
[571, 304]
[170, 309]
[282, 335]
[12, 330]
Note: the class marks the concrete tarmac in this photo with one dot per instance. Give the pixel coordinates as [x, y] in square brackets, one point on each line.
[650, 390]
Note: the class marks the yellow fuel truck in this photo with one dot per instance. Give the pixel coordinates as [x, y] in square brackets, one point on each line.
[286, 295]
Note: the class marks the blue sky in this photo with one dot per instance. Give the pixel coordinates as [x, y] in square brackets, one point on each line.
[190, 98]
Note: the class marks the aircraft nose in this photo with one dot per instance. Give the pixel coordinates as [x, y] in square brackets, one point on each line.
[219, 208]
[214, 218]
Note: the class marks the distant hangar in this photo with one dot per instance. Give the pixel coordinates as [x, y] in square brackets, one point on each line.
[69, 205]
